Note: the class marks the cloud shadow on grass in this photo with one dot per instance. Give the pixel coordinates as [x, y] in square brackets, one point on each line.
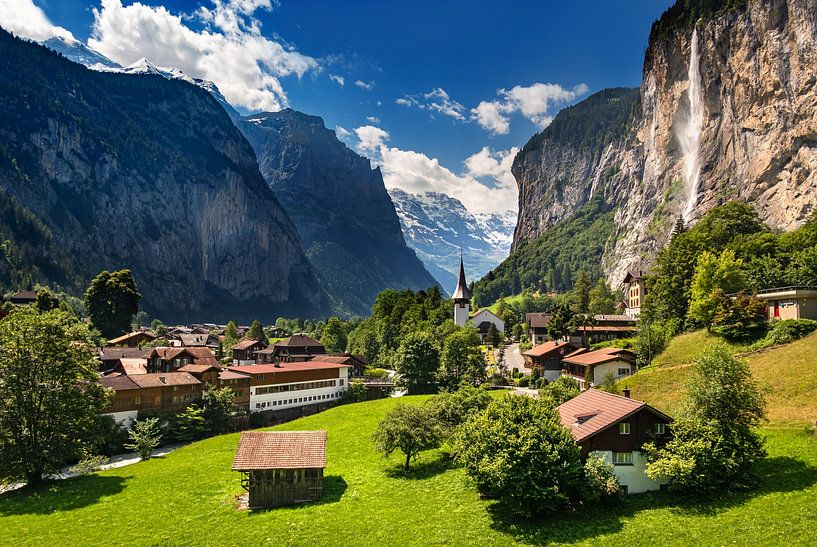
[60, 495]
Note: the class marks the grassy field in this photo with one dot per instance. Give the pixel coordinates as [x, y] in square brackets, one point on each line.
[188, 497]
[789, 372]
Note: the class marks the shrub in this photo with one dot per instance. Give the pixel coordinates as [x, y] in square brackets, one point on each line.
[408, 428]
[560, 390]
[188, 425]
[217, 407]
[600, 483]
[89, 464]
[523, 381]
[608, 384]
[356, 392]
[789, 330]
[144, 437]
[374, 372]
[451, 409]
[741, 319]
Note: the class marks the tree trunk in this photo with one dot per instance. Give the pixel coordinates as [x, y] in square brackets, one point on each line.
[34, 477]
[408, 461]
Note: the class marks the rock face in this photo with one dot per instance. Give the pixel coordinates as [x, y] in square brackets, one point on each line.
[439, 227]
[340, 207]
[758, 138]
[150, 174]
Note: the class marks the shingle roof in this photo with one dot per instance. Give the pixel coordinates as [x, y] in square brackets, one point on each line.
[244, 344]
[112, 354]
[118, 383]
[202, 356]
[197, 368]
[194, 340]
[593, 411]
[130, 335]
[546, 348]
[537, 320]
[169, 353]
[298, 340]
[131, 366]
[280, 450]
[161, 379]
[230, 375]
[600, 356]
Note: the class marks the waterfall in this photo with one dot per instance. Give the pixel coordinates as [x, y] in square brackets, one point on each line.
[689, 132]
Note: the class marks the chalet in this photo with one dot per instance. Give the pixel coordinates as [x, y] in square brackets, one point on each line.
[298, 347]
[240, 384]
[109, 357]
[603, 328]
[130, 366]
[537, 325]
[206, 374]
[169, 359]
[296, 384]
[358, 363]
[584, 365]
[199, 340]
[634, 286]
[133, 339]
[154, 392]
[244, 352]
[790, 302]
[281, 467]
[547, 357]
[483, 319]
[202, 356]
[615, 428]
[23, 298]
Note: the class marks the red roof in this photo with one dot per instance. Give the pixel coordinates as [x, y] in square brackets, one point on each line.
[546, 348]
[593, 411]
[280, 450]
[600, 356]
[268, 368]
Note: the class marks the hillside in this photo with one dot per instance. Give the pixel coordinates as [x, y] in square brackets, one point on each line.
[118, 170]
[790, 371]
[188, 497]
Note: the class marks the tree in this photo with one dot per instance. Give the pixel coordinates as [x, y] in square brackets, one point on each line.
[417, 362]
[608, 383]
[46, 300]
[494, 336]
[581, 292]
[408, 428]
[189, 424]
[462, 359]
[144, 437]
[112, 299]
[560, 390]
[356, 392]
[679, 228]
[518, 450]
[559, 323]
[217, 406]
[230, 337]
[452, 408]
[742, 318]
[158, 328]
[256, 332]
[50, 393]
[140, 319]
[602, 300]
[714, 275]
[334, 335]
[715, 442]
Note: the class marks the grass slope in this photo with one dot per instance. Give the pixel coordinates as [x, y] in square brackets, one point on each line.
[187, 498]
[789, 371]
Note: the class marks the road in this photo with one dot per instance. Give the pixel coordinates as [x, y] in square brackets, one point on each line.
[514, 359]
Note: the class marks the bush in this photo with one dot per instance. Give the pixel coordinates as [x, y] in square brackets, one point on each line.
[89, 464]
[144, 437]
[600, 483]
[107, 437]
[523, 381]
[356, 392]
[789, 330]
[560, 390]
[374, 372]
[451, 409]
[188, 425]
[217, 408]
[741, 319]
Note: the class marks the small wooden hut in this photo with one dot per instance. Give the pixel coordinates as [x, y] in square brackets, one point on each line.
[281, 467]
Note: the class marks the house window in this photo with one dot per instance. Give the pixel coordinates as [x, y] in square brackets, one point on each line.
[137, 399]
[257, 405]
[341, 382]
[660, 429]
[624, 428]
[622, 458]
[623, 371]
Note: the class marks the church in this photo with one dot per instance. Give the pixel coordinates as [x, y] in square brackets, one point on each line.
[481, 319]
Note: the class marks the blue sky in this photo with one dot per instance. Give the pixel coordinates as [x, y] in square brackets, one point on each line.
[442, 60]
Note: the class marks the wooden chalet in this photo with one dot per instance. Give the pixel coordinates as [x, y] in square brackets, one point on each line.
[298, 347]
[615, 428]
[547, 357]
[589, 368]
[199, 340]
[23, 298]
[281, 467]
[169, 359]
[160, 392]
[110, 357]
[134, 339]
[240, 385]
[537, 325]
[244, 351]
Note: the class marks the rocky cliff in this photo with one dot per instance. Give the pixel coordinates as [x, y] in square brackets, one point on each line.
[119, 170]
[340, 207]
[726, 110]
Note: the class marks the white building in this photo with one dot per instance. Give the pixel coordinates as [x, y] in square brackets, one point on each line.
[462, 299]
[483, 319]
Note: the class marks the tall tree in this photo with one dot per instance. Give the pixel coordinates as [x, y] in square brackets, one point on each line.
[334, 335]
[112, 300]
[581, 292]
[602, 300]
[50, 394]
[417, 362]
[462, 359]
[256, 332]
[714, 276]
[560, 321]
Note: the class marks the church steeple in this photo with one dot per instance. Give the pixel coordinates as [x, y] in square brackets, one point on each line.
[462, 299]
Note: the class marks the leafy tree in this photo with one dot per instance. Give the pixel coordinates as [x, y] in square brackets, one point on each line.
[417, 362]
[189, 424]
[144, 437]
[217, 407]
[230, 337]
[714, 276]
[158, 328]
[518, 450]
[581, 292]
[256, 332]
[580, 322]
[493, 336]
[46, 300]
[452, 408]
[742, 319]
[715, 442]
[408, 428]
[608, 384]
[560, 390]
[112, 299]
[602, 299]
[356, 392]
[600, 482]
[334, 335]
[559, 324]
[462, 359]
[140, 320]
[49, 392]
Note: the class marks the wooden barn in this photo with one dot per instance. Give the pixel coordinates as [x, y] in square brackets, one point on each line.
[281, 467]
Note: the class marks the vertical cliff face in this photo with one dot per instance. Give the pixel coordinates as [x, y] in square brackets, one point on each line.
[757, 140]
[141, 172]
[340, 207]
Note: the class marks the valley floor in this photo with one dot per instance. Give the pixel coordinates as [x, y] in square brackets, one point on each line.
[188, 497]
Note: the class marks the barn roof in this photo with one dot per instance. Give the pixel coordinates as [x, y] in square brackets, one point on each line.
[280, 450]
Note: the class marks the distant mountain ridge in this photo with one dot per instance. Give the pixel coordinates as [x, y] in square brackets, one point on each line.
[439, 227]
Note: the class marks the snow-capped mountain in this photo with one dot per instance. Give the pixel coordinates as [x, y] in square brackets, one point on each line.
[438, 227]
[78, 52]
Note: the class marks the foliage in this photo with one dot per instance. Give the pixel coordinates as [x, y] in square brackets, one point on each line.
[89, 464]
[560, 390]
[188, 425]
[46, 300]
[334, 335]
[714, 442]
[417, 362]
[714, 276]
[106, 436]
[461, 358]
[230, 337]
[685, 15]
[600, 483]
[493, 336]
[517, 449]
[356, 392]
[408, 428]
[608, 383]
[653, 337]
[452, 408]
[49, 392]
[601, 301]
[144, 436]
[112, 299]
[256, 332]
[217, 407]
[560, 321]
[740, 319]
[374, 372]
[581, 292]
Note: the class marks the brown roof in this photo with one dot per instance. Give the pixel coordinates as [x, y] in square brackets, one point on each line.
[129, 336]
[298, 340]
[608, 328]
[593, 411]
[537, 320]
[546, 348]
[203, 356]
[194, 340]
[197, 369]
[170, 353]
[244, 344]
[577, 352]
[118, 383]
[134, 365]
[230, 375]
[344, 359]
[161, 379]
[280, 450]
[600, 356]
[112, 354]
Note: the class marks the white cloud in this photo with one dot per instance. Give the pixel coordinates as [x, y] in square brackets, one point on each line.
[367, 86]
[535, 102]
[373, 119]
[24, 18]
[340, 80]
[436, 100]
[342, 133]
[229, 49]
[371, 138]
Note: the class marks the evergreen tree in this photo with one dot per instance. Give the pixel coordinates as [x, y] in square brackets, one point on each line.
[602, 300]
[581, 292]
[256, 332]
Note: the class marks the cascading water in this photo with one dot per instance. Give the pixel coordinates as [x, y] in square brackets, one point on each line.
[689, 132]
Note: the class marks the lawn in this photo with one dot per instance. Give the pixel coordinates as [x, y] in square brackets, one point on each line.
[188, 497]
